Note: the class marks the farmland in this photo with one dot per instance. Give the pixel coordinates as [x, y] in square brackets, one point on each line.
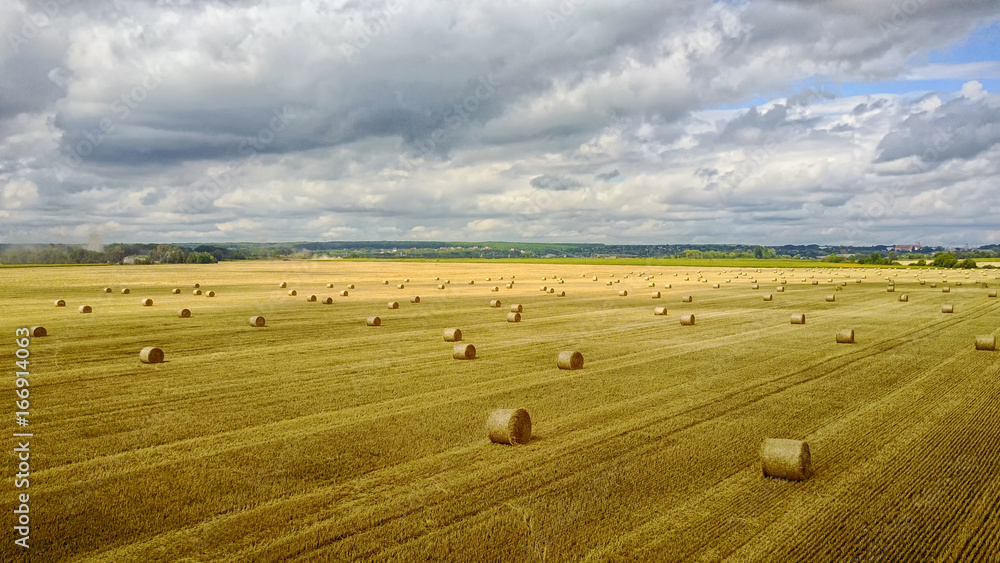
[316, 437]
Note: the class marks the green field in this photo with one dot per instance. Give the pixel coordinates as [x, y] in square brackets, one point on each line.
[318, 438]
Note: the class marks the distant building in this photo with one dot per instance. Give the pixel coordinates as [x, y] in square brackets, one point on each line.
[128, 260]
[906, 247]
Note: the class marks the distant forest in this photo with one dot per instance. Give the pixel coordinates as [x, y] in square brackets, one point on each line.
[122, 253]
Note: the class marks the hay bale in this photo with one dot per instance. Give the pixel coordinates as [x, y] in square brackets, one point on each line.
[623, 293]
[668, 286]
[400, 286]
[552, 290]
[570, 360]
[815, 282]
[393, 305]
[414, 299]
[922, 282]
[652, 285]
[196, 292]
[543, 288]
[933, 284]
[495, 288]
[947, 308]
[85, 309]
[257, 321]
[463, 352]
[151, 355]
[513, 317]
[767, 297]
[858, 280]
[447, 282]
[755, 286]
[343, 293]
[385, 282]
[510, 285]
[656, 295]
[992, 293]
[687, 319]
[958, 284]
[686, 299]
[329, 286]
[986, 342]
[37, 331]
[660, 311]
[890, 288]
[292, 292]
[282, 285]
[516, 308]
[311, 298]
[126, 290]
[715, 286]
[327, 301]
[60, 302]
[146, 302]
[176, 291]
[406, 280]
[786, 459]
[472, 282]
[845, 336]
[830, 298]
[107, 290]
[780, 289]
[561, 294]
[946, 289]
[798, 318]
[210, 294]
[351, 285]
[373, 321]
[196, 286]
[440, 286]
[184, 313]
[509, 426]
[903, 297]
[452, 335]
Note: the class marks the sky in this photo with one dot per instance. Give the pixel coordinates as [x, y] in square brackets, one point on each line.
[612, 121]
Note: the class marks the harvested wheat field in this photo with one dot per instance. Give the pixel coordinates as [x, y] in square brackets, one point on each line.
[317, 438]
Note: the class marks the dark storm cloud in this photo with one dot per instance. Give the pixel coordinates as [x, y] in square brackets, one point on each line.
[959, 129]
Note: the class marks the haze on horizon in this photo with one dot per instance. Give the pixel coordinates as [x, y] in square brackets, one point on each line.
[620, 122]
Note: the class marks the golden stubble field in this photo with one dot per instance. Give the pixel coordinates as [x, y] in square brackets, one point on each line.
[318, 438]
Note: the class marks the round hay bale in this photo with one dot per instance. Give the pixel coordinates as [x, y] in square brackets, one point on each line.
[292, 292]
[452, 335]
[37, 331]
[327, 301]
[436, 278]
[126, 290]
[543, 288]
[282, 285]
[440, 286]
[986, 342]
[843, 284]
[831, 298]
[197, 285]
[890, 288]
[815, 282]
[60, 302]
[406, 280]
[845, 336]
[780, 289]
[311, 298]
[394, 305]
[151, 355]
[107, 290]
[495, 288]
[570, 360]
[85, 309]
[351, 285]
[176, 291]
[329, 285]
[947, 308]
[184, 313]
[516, 308]
[196, 292]
[373, 321]
[992, 293]
[858, 280]
[447, 282]
[400, 286]
[595, 278]
[786, 459]
[784, 282]
[798, 318]
[146, 302]
[945, 289]
[609, 282]
[509, 426]
[210, 294]
[343, 293]
[472, 282]
[656, 295]
[904, 297]
[463, 352]
[768, 297]
[958, 284]
[623, 293]
[513, 317]
[385, 282]
[495, 303]
[414, 299]
[933, 284]
[652, 285]
[510, 285]
[660, 311]
[552, 290]
[686, 299]
[715, 286]
[668, 286]
[755, 286]
[561, 294]
[687, 319]
[922, 282]
[257, 321]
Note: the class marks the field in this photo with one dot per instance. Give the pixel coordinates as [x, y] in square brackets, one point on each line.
[318, 438]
